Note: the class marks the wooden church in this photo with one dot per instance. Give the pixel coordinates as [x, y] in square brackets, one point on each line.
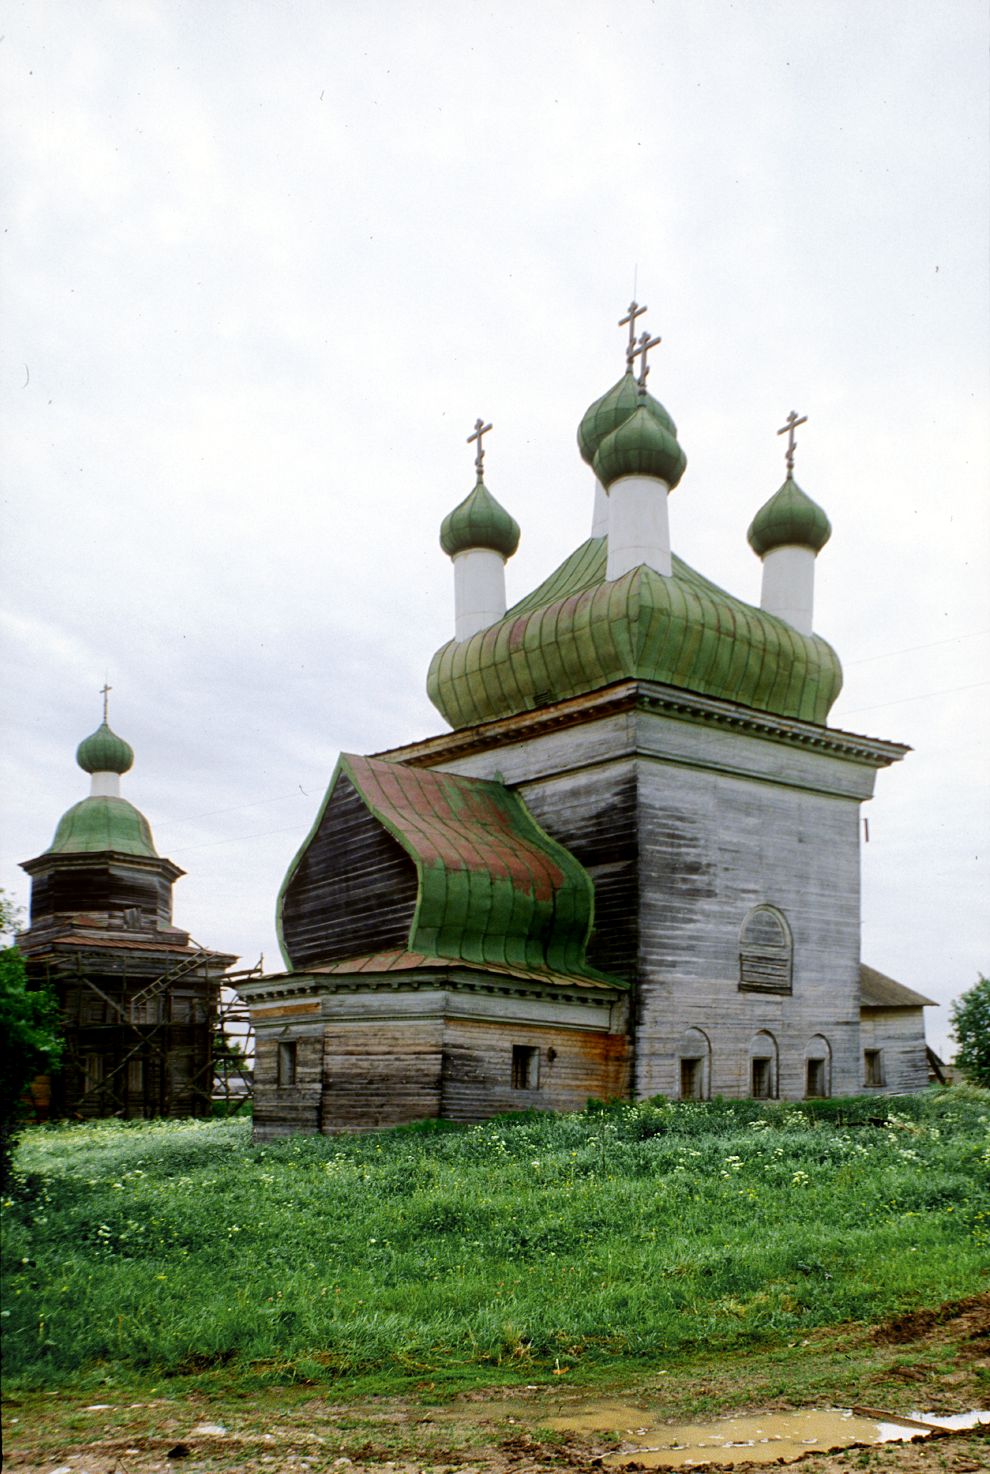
[631, 868]
[138, 1000]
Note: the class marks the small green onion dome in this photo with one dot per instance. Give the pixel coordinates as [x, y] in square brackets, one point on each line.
[479, 522]
[641, 445]
[101, 823]
[104, 752]
[790, 518]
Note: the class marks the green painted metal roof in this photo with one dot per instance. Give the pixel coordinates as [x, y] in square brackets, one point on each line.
[789, 518]
[479, 521]
[579, 633]
[104, 752]
[493, 887]
[102, 823]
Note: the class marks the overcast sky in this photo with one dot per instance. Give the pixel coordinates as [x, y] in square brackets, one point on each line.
[265, 262]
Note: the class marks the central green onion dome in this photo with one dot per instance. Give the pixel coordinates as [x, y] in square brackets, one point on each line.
[789, 519]
[607, 414]
[641, 445]
[101, 823]
[104, 752]
[479, 521]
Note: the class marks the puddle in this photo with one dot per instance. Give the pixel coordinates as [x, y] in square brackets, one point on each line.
[757, 1438]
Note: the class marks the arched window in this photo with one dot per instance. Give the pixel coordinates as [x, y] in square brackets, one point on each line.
[763, 1066]
[695, 1057]
[765, 952]
[818, 1068]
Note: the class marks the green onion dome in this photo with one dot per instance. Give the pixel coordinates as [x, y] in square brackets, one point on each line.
[479, 522]
[104, 752]
[101, 823]
[790, 518]
[612, 410]
[642, 445]
[606, 414]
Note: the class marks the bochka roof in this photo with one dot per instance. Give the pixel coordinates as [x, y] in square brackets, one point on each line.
[876, 990]
[493, 887]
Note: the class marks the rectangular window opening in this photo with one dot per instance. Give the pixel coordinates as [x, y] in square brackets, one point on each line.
[287, 1062]
[815, 1084]
[873, 1066]
[762, 1079]
[525, 1067]
[135, 1077]
[692, 1079]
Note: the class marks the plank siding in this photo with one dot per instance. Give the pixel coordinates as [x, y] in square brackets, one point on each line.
[354, 890]
[595, 815]
[381, 1073]
[899, 1033]
[712, 847]
[477, 1069]
[101, 887]
[280, 1110]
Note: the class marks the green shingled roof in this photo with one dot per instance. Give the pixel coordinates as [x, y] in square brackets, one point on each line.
[789, 518]
[479, 521]
[102, 823]
[577, 633]
[493, 887]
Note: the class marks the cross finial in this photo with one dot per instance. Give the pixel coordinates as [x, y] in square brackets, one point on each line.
[642, 348]
[788, 430]
[105, 690]
[634, 311]
[480, 428]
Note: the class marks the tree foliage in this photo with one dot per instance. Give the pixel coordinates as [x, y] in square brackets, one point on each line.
[971, 1027]
[29, 1037]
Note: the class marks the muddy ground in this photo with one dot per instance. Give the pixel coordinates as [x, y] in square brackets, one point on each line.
[934, 1360]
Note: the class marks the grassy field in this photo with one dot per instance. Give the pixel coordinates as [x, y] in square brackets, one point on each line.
[519, 1250]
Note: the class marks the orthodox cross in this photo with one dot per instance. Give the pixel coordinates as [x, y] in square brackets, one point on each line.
[105, 690]
[634, 311]
[788, 430]
[480, 428]
[642, 348]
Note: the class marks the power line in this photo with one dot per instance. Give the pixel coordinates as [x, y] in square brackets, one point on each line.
[910, 649]
[922, 696]
[208, 844]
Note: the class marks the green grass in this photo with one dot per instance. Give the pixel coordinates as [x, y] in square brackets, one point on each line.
[622, 1235]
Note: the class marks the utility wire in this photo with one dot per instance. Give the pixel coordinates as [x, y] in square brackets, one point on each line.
[910, 649]
[922, 696]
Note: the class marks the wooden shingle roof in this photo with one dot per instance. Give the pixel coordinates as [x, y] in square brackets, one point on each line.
[876, 990]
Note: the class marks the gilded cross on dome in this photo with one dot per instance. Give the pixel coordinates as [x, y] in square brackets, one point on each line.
[634, 311]
[480, 428]
[788, 430]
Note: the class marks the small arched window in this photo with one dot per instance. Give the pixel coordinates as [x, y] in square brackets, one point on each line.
[695, 1057]
[766, 952]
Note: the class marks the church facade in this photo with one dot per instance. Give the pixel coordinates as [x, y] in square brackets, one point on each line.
[631, 868]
